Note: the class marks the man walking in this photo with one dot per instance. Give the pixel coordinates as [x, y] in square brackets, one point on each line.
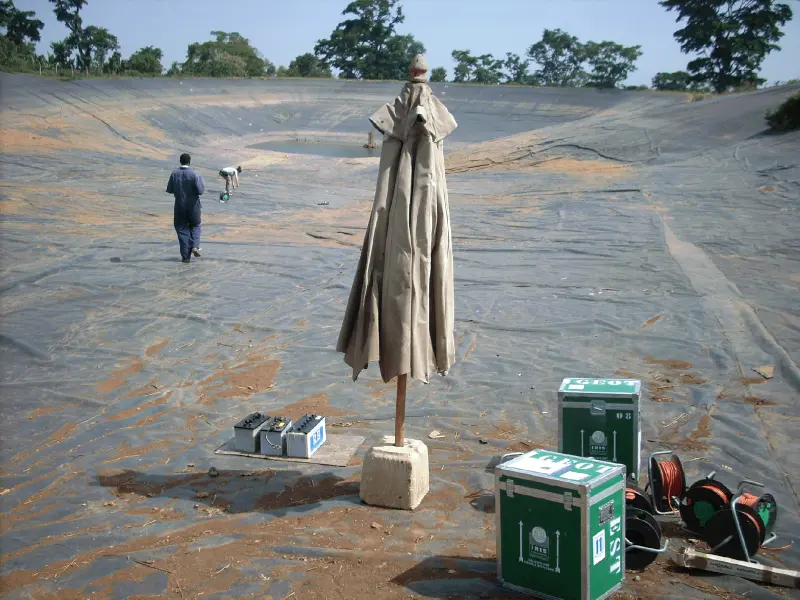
[187, 186]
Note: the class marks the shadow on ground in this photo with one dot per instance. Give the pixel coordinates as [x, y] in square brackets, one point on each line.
[454, 577]
[235, 491]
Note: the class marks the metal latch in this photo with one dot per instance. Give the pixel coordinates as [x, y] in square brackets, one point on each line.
[597, 407]
[567, 500]
[510, 488]
[606, 512]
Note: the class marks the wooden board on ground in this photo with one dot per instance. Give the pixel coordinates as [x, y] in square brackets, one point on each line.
[336, 451]
[728, 566]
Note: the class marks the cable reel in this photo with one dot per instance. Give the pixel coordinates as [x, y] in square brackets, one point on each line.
[667, 481]
[636, 497]
[642, 537]
[756, 517]
[767, 508]
[643, 533]
[703, 500]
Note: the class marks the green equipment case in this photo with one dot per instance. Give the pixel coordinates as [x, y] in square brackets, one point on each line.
[599, 418]
[560, 526]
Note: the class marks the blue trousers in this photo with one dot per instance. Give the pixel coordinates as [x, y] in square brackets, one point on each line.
[188, 228]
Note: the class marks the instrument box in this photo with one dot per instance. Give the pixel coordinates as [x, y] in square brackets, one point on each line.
[599, 418]
[560, 526]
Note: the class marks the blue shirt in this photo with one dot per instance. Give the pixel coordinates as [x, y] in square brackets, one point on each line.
[187, 186]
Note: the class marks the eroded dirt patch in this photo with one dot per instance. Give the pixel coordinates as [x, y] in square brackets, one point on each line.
[753, 400]
[651, 321]
[240, 379]
[156, 348]
[120, 376]
[674, 365]
[314, 405]
[41, 412]
[130, 412]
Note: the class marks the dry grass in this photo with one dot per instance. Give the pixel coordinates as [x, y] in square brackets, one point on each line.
[700, 96]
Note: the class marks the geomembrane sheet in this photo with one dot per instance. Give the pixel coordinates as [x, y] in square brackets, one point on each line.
[595, 233]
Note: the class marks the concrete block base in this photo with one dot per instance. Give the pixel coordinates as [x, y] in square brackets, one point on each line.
[395, 477]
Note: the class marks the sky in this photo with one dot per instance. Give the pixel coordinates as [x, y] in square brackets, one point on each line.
[282, 30]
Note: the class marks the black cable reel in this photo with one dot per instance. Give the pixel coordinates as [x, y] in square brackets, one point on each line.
[642, 532]
[756, 518]
[704, 499]
[636, 497]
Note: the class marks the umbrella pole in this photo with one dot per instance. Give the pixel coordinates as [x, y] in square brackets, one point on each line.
[400, 410]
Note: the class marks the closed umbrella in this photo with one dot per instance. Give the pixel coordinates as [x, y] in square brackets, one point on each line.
[400, 310]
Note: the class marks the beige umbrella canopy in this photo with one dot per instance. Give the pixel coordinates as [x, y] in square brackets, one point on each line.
[400, 310]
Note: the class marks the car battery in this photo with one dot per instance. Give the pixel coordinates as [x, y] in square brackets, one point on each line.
[273, 436]
[599, 418]
[560, 526]
[306, 436]
[246, 432]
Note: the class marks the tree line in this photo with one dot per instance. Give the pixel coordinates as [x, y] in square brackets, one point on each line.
[728, 39]
[86, 49]
[561, 60]
[93, 50]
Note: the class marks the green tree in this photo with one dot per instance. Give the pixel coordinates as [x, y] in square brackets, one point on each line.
[489, 70]
[115, 64]
[465, 65]
[438, 75]
[16, 57]
[228, 55]
[68, 12]
[96, 43]
[610, 63]
[90, 45]
[306, 65]
[679, 81]
[7, 10]
[20, 25]
[366, 45]
[394, 62]
[484, 69]
[732, 37]
[17, 51]
[61, 54]
[174, 69]
[517, 69]
[237, 45]
[206, 60]
[560, 57]
[146, 60]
